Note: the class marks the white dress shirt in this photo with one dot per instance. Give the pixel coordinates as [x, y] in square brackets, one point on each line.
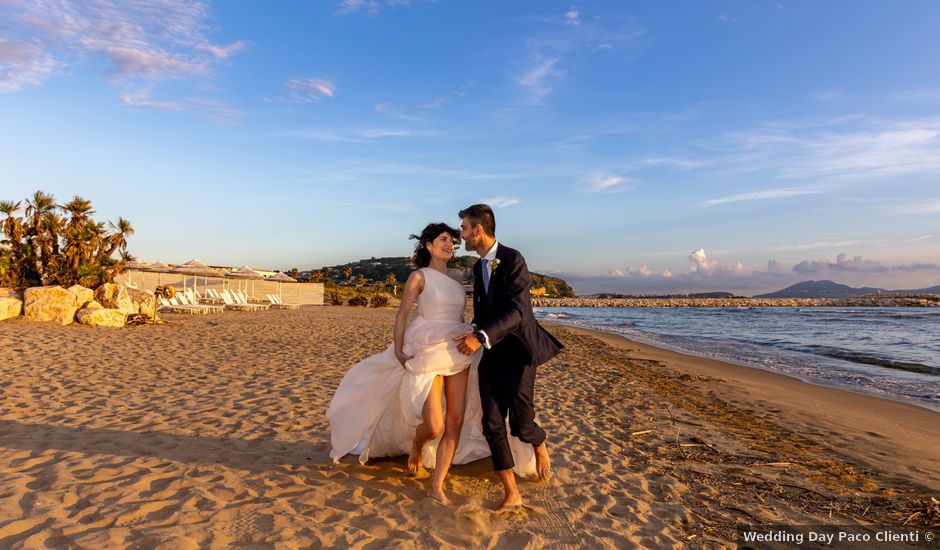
[490, 256]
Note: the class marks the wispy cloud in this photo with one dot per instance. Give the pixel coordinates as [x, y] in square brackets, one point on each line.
[306, 90]
[548, 53]
[606, 183]
[502, 202]
[766, 194]
[844, 263]
[140, 41]
[346, 136]
[372, 7]
[200, 106]
[23, 64]
[541, 77]
[838, 150]
[917, 95]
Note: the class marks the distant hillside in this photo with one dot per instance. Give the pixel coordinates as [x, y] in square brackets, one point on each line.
[931, 290]
[377, 269]
[820, 289]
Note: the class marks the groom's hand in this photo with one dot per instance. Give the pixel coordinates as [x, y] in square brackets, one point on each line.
[469, 345]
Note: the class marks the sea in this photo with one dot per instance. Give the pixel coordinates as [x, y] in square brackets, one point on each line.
[888, 352]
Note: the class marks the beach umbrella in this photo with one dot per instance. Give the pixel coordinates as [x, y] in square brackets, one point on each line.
[134, 266]
[281, 278]
[246, 274]
[195, 268]
[159, 267]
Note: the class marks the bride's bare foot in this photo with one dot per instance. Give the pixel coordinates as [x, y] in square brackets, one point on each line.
[543, 466]
[511, 501]
[414, 458]
[438, 495]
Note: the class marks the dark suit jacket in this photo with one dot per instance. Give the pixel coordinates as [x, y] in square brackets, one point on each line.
[506, 310]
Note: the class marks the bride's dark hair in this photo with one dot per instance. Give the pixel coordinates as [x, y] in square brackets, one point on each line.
[422, 257]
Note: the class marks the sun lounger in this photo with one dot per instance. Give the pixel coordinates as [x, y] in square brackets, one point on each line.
[231, 303]
[276, 303]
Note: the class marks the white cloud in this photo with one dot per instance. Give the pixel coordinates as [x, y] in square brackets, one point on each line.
[140, 41]
[200, 106]
[541, 78]
[825, 153]
[23, 64]
[502, 202]
[917, 95]
[345, 136]
[766, 194]
[606, 183]
[373, 7]
[306, 90]
[571, 17]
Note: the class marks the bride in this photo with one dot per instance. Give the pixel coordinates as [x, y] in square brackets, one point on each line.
[392, 403]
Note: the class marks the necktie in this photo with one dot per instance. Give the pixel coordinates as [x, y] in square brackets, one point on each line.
[486, 275]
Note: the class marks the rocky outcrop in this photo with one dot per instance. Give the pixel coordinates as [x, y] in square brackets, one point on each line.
[11, 303]
[49, 303]
[115, 296]
[81, 295]
[97, 316]
[143, 302]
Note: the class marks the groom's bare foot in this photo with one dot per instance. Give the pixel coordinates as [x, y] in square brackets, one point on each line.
[543, 466]
[414, 459]
[511, 501]
[438, 495]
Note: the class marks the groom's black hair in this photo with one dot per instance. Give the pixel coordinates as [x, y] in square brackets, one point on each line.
[480, 214]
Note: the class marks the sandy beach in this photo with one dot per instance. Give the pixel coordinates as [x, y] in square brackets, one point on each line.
[209, 432]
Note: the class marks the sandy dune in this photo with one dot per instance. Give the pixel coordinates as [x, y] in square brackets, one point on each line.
[209, 432]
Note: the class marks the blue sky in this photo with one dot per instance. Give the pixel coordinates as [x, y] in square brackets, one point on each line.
[627, 146]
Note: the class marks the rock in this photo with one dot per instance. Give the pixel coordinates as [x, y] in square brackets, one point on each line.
[93, 305]
[101, 317]
[143, 302]
[114, 296]
[11, 293]
[49, 303]
[82, 295]
[11, 303]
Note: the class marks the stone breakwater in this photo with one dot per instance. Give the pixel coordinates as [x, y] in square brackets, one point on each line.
[922, 300]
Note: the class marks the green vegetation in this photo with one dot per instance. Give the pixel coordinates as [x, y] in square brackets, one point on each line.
[52, 244]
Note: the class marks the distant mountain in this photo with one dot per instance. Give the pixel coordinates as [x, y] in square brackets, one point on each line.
[821, 289]
[931, 290]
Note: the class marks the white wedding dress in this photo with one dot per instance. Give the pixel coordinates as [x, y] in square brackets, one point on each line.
[378, 405]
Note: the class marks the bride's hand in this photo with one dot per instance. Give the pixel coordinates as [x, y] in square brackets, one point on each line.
[402, 358]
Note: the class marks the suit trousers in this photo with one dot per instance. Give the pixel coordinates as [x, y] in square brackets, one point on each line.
[507, 387]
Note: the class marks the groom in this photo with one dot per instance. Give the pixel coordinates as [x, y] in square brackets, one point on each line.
[515, 344]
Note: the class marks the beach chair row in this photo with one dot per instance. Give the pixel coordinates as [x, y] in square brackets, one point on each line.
[188, 301]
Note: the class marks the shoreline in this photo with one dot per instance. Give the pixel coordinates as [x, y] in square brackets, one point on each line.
[820, 382]
[886, 426]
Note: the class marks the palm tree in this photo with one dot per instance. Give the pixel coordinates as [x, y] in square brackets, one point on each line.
[118, 238]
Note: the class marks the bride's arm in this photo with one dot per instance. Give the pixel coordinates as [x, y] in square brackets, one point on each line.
[413, 287]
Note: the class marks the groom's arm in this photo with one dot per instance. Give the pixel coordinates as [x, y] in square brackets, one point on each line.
[510, 318]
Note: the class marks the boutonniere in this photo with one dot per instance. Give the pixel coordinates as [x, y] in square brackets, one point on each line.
[493, 265]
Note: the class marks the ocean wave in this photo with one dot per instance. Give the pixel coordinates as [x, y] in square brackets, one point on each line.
[865, 359]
